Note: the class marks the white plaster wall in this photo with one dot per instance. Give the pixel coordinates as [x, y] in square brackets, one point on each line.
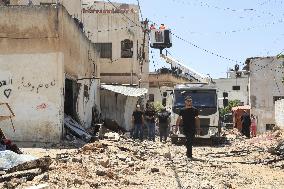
[85, 104]
[279, 113]
[112, 107]
[130, 106]
[265, 82]
[36, 96]
[226, 85]
[119, 109]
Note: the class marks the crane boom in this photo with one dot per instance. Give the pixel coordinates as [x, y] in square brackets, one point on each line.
[188, 72]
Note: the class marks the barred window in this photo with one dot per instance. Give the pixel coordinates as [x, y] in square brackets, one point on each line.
[126, 48]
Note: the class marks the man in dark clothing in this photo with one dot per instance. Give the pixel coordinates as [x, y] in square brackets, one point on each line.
[246, 122]
[189, 117]
[138, 122]
[150, 121]
[163, 118]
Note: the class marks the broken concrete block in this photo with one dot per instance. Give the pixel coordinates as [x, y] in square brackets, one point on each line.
[104, 162]
[101, 172]
[154, 170]
[167, 155]
[121, 157]
[112, 136]
[130, 163]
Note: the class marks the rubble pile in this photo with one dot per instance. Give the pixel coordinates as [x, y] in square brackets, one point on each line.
[120, 162]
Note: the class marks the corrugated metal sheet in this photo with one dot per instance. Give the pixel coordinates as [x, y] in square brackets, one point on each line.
[124, 90]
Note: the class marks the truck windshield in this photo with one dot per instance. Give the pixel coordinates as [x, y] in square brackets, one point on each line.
[200, 98]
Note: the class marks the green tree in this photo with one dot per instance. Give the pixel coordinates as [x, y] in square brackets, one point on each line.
[228, 109]
[158, 106]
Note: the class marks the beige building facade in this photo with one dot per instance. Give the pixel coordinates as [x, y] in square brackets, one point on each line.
[122, 45]
[72, 6]
[49, 69]
[117, 32]
[236, 85]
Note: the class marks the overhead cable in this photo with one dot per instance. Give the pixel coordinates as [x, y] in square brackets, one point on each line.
[207, 51]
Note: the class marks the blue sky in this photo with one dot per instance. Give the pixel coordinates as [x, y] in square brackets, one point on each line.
[233, 29]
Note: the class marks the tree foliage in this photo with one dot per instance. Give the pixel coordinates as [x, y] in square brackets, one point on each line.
[228, 109]
[158, 106]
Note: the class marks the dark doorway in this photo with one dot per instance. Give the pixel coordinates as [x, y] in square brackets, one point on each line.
[70, 98]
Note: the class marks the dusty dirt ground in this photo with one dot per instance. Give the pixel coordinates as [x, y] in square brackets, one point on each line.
[241, 163]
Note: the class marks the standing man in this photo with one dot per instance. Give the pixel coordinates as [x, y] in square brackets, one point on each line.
[190, 120]
[138, 122]
[163, 118]
[150, 121]
[246, 122]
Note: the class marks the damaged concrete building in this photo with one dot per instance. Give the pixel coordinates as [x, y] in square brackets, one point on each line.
[123, 54]
[48, 68]
[265, 88]
[235, 85]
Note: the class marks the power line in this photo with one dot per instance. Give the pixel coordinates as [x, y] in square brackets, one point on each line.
[280, 21]
[192, 44]
[203, 49]
[207, 51]
[233, 10]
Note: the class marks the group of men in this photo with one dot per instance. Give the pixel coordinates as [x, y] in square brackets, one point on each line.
[150, 118]
[188, 123]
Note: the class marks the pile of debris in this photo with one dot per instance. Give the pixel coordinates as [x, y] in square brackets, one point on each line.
[120, 162]
[18, 168]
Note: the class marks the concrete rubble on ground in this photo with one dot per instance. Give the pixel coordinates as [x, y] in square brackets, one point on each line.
[124, 163]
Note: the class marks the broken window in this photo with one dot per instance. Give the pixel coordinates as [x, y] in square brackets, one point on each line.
[126, 48]
[236, 88]
[105, 50]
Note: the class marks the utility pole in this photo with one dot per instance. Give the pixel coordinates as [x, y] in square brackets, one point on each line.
[142, 54]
